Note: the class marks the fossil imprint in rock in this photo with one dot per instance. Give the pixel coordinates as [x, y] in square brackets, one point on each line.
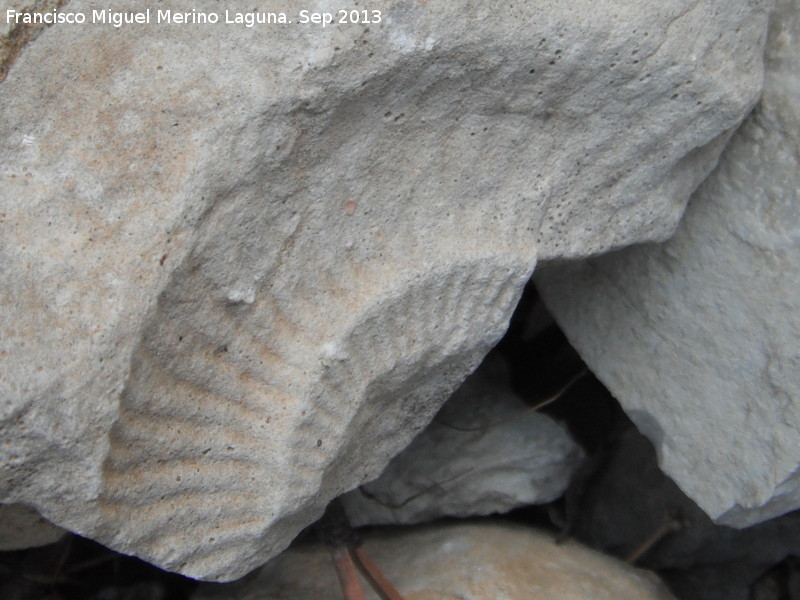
[246, 403]
[232, 287]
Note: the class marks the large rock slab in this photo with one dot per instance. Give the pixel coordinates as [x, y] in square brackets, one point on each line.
[486, 452]
[243, 266]
[455, 562]
[698, 337]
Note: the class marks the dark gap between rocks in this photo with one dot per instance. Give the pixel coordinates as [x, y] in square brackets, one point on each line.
[619, 502]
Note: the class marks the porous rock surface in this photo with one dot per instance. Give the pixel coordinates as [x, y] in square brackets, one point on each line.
[486, 452]
[242, 267]
[455, 562]
[698, 337]
[15, 35]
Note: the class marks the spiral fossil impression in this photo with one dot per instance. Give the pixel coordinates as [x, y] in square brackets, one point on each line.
[230, 287]
[234, 411]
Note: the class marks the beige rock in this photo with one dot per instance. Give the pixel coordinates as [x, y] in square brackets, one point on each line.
[485, 561]
[15, 34]
[241, 267]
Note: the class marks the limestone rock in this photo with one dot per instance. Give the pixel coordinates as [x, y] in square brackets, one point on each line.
[486, 452]
[243, 266]
[464, 561]
[698, 337]
[22, 527]
[14, 35]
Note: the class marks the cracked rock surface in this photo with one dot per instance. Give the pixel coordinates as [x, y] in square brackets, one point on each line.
[233, 286]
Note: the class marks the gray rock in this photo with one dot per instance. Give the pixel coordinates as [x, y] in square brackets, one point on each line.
[698, 337]
[241, 267]
[486, 452]
[455, 562]
[630, 508]
[22, 527]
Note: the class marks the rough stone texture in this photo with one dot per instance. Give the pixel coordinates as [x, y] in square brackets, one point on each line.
[14, 36]
[455, 562]
[22, 527]
[241, 267]
[485, 452]
[698, 337]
